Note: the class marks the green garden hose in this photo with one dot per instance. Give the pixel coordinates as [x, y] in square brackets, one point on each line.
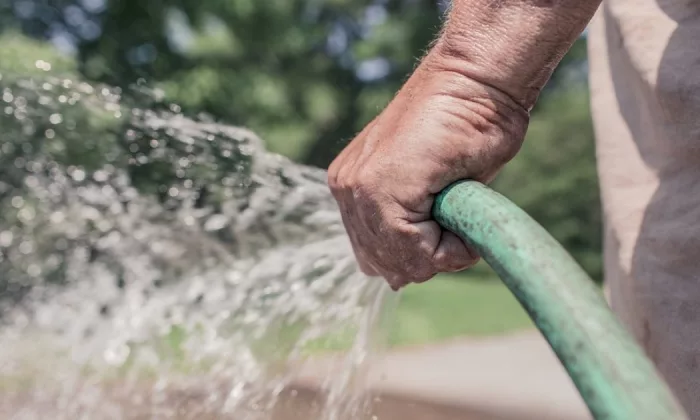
[610, 370]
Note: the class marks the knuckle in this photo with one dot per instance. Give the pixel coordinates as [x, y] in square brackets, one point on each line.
[366, 180]
[339, 186]
[336, 191]
[422, 277]
[333, 170]
[419, 273]
[334, 180]
[444, 259]
[365, 192]
[338, 179]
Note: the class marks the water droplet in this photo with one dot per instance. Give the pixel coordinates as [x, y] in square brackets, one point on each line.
[100, 176]
[50, 134]
[57, 217]
[34, 270]
[43, 65]
[17, 202]
[117, 354]
[6, 238]
[78, 175]
[173, 192]
[215, 222]
[7, 97]
[20, 114]
[31, 181]
[26, 247]
[26, 215]
[21, 101]
[104, 226]
[56, 119]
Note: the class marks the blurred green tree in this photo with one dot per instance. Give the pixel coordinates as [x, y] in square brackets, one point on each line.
[305, 74]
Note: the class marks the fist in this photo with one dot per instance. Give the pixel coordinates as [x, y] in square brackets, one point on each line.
[441, 127]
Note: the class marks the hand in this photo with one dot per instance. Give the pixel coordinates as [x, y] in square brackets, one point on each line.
[441, 127]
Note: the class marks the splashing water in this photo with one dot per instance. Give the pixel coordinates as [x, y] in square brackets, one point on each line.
[157, 266]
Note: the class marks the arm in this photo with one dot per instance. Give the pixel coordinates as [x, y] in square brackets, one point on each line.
[511, 45]
[462, 114]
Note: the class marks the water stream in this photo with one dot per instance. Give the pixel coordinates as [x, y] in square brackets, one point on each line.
[158, 266]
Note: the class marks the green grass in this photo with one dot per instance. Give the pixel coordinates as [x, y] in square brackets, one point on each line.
[470, 304]
[454, 305]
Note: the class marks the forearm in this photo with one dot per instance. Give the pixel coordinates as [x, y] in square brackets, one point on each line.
[511, 45]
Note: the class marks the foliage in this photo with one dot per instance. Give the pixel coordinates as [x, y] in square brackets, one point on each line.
[296, 71]
[305, 74]
[28, 57]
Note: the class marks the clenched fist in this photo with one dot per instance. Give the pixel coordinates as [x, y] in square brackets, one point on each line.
[443, 126]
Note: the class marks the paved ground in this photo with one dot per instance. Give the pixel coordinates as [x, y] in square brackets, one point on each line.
[510, 377]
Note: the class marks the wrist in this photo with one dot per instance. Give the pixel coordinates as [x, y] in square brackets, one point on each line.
[512, 46]
[443, 76]
[490, 67]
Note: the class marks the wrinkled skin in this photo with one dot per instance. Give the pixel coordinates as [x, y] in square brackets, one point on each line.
[443, 126]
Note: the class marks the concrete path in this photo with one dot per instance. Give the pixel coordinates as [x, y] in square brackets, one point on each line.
[510, 377]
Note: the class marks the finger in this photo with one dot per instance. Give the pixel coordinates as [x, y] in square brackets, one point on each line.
[375, 258]
[394, 280]
[365, 263]
[362, 261]
[339, 172]
[452, 254]
[351, 228]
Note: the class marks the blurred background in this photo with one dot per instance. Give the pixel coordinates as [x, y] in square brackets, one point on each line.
[306, 75]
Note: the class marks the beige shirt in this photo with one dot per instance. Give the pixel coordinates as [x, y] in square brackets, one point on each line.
[645, 84]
